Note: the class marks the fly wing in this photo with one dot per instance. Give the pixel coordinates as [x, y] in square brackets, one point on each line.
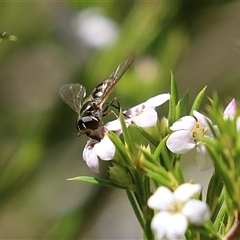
[72, 95]
[122, 67]
[106, 87]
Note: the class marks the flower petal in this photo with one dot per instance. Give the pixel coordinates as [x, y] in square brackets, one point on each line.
[203, 159]
[231, 108]
[114, 126]
[161, 199]
[176, 226]
[150, 103]
[184, 123]
[196, 211]
[105, 149]
[186, 191]
[159, 224]
[203, 120]
[90, 157]
[157, 100]
[147, 118]
[180, 142]
[171, 226]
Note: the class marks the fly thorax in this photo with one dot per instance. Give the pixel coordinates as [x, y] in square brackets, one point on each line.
[90, 109]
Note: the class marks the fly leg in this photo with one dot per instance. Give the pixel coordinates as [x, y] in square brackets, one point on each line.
[118, 107]
[105, 112]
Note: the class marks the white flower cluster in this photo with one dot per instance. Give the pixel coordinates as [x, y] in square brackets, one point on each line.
[188, 132]
[175, 210]
[143, 115]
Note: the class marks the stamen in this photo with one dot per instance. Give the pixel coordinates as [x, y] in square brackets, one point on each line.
[199, 132]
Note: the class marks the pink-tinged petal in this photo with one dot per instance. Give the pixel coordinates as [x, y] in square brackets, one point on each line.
[231, 108]
[201, 118]
[157, 100]
[150, 103]
[147, 118]
[161, 199]
[196, 211]
[186, 191]
[203, 159]
[90, 157]
[105, 149]
[159, 224]
[180, 142]
[176, 226]
[134, 111]
[184, 123]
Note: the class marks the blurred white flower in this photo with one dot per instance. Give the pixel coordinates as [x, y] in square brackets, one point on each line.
[176, 210]
[187, 134]
[95, 29]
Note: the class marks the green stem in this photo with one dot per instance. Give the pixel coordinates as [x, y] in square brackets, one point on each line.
[139, 204]
[148, 234]
[136, 209]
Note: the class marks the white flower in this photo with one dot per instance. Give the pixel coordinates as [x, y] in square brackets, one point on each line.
[187, 134]
[94, 150]
[143, 115]
[177, 210]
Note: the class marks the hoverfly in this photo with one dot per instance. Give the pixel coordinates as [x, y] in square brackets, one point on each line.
[91, 110]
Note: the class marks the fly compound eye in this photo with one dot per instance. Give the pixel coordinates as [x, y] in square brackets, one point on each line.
[87, 122]
[91, 122]
[80, 125]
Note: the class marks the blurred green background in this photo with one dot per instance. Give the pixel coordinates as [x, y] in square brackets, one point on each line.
[74, 41]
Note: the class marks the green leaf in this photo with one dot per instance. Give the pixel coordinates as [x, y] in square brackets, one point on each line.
[97, 181]
[198, 100]
[214, 191]
[126, 135]
[184, 105]
[173, 101]
[120, 148]
[221, 214]
[138, 180]
[174, 89]
[155, 171]
[172, 111]
[145, 134]
[163, 153]
[177, 171]
[178, 110]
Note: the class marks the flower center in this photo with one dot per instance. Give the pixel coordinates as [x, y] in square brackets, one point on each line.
[175, 207]
[199, 132]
